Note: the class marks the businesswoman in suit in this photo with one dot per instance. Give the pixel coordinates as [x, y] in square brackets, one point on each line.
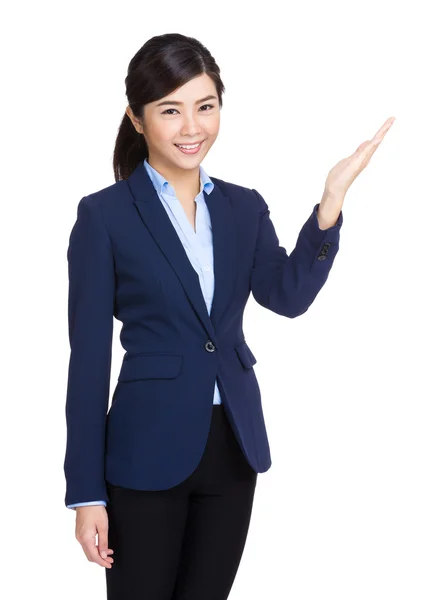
[165, 479]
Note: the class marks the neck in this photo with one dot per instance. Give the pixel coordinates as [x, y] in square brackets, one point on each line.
[186, 182]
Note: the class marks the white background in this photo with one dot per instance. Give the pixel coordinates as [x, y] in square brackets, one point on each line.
[344, 511]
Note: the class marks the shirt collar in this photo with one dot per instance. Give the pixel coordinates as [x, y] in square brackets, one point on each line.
[162, 185]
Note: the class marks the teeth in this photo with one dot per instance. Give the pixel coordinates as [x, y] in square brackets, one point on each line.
[188, 147]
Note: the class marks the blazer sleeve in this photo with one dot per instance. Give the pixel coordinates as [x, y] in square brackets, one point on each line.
[91, 301]
[288, 284]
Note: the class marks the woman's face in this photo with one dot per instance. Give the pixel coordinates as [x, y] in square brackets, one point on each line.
[188, 115]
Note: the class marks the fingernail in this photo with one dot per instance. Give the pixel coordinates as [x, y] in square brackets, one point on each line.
[104, 555]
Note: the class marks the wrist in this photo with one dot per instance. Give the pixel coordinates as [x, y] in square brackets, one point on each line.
[329, 209]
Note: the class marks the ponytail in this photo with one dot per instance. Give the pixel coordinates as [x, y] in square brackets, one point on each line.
[130, 149]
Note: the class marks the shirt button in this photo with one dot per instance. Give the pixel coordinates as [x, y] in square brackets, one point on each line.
[207, 268]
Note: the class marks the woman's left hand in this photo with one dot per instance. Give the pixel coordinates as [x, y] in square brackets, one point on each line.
[341, 177]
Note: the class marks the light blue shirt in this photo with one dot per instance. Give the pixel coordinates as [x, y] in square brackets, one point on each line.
[198, 245]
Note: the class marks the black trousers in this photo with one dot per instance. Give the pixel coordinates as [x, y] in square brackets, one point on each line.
[186, 542]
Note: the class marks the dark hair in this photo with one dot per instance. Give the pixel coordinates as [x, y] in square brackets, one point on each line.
[163, 64]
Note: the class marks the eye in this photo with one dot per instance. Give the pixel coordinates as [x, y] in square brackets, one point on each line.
[165, 112]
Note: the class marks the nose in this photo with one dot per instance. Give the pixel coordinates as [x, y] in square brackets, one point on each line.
[190, 126]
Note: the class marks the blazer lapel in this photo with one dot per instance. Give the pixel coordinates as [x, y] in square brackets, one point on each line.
[158, 223]
[224, 249]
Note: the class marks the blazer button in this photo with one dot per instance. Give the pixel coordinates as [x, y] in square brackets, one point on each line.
[321, 257]
[209, 346]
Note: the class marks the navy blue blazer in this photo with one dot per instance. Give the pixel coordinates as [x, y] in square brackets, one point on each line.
[126, 261]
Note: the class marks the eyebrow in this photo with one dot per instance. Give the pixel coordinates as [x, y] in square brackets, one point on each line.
[179, 103]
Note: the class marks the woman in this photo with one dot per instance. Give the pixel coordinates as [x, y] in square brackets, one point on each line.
[174, 255]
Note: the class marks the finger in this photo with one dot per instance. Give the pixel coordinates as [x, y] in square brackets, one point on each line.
[361, 146]
[366, 150]
[368, 158]
[93, 555]
[385, 127]
[102, 531]
[108, 558]
[383, 130]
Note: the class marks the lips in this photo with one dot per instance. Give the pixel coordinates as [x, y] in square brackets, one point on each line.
[190, 150]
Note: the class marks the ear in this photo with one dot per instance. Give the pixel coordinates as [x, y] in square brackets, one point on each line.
[136, 123]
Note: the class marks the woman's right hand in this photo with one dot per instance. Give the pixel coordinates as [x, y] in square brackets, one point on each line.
[92, 520]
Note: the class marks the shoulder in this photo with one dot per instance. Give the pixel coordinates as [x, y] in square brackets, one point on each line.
[106, 197]
[105, 205]
[238, 192]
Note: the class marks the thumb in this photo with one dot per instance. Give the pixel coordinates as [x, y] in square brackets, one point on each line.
[361, 146]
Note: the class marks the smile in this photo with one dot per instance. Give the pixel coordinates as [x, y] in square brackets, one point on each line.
[190, 148]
